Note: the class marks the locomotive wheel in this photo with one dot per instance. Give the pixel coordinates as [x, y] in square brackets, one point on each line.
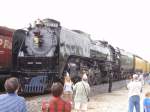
[94, 78]
[91, 80]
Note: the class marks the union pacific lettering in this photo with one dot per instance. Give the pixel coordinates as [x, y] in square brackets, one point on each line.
[6, 43]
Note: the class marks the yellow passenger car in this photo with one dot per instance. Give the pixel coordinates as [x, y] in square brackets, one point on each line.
[147, 67]
[140, 64]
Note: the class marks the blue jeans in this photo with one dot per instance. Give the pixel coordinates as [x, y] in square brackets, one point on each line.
[134, 101]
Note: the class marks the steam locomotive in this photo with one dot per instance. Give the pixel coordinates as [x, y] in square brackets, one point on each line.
[44, 52]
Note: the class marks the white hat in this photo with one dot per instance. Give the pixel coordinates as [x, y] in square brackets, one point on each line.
[84, 77]
[135, 76]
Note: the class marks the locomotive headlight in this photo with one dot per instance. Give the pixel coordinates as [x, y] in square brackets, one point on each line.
[36, 40]
[38, 63]
[29, 63]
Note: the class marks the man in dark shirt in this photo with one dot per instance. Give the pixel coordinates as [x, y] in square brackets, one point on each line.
[110, 79]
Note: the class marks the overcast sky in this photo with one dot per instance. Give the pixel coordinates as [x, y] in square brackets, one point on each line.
[123, 23]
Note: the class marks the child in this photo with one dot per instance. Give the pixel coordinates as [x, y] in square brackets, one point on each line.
[68, 88]
[146, 102]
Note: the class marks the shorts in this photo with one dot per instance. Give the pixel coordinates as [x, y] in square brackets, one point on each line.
[67, 96]
[80, 106]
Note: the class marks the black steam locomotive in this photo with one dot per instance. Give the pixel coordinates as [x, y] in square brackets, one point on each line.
[44, 52]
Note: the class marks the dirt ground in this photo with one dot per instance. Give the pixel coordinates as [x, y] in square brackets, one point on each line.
[117, 101]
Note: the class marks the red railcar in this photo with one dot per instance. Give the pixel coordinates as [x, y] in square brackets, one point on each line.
[5, 51]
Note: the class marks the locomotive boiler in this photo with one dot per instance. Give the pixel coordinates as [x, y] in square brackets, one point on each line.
[44, 52]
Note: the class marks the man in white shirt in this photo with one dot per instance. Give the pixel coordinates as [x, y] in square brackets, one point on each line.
[81, 90]
[134, 94]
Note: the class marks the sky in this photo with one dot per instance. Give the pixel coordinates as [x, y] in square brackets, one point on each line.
[123, 23]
